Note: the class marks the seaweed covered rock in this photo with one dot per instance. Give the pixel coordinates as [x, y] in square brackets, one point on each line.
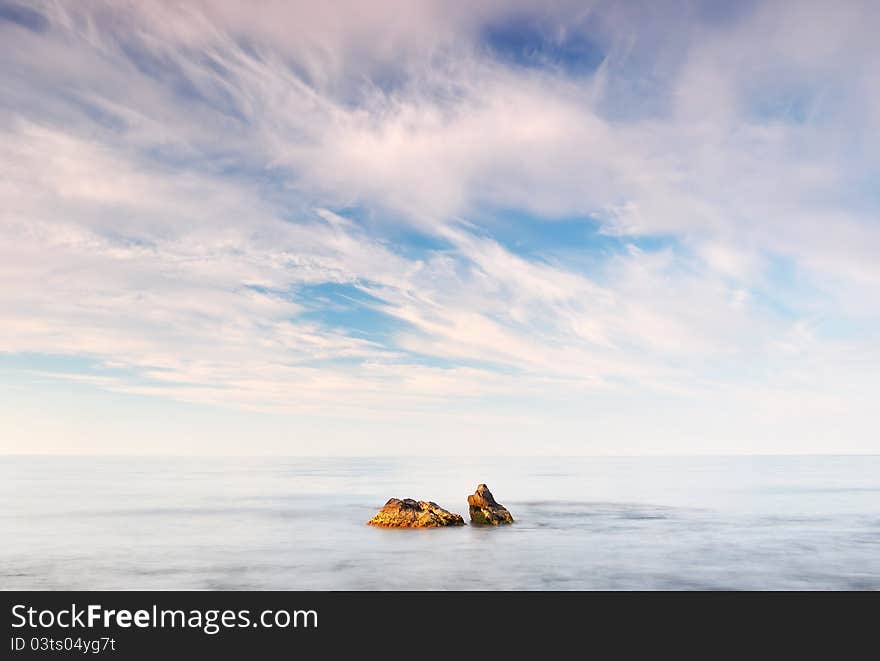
[485, 510]
[409, 513]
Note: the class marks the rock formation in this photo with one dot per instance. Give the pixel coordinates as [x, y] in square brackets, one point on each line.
[484, 509]
[409, 513]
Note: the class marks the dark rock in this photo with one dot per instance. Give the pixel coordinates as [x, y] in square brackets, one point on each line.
[485, 510]
[409, 513]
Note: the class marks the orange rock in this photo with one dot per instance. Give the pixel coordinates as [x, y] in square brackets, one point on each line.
[485, 510]
[409, 513]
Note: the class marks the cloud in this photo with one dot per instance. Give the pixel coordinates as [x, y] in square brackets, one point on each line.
[175, 179]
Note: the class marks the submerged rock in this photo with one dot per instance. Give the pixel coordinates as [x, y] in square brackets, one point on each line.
[409, 513]
[485, 510]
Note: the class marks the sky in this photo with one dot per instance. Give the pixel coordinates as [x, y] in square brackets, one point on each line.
[439, 228]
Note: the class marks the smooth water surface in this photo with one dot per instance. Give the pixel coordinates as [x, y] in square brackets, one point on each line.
[581, 523]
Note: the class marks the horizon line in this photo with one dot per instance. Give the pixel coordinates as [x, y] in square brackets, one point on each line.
[437, 456]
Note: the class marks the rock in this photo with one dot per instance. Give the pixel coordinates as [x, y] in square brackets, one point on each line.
[484, 509]
[409, 513]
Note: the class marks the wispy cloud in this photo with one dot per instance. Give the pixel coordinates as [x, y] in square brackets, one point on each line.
[176, 180]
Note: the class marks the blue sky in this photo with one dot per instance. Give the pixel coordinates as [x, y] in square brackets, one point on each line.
[439, 228]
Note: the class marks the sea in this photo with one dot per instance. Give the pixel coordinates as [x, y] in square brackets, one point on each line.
[298, 523]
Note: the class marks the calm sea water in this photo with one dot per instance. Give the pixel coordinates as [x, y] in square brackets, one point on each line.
[298, 523]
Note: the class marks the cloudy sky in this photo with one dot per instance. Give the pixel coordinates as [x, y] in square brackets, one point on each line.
[439, 227]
